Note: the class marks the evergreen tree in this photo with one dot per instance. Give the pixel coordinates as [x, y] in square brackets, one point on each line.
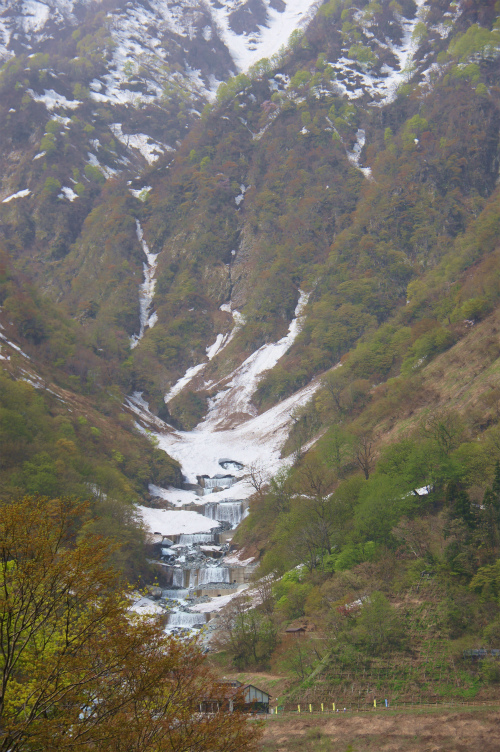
[460, 505]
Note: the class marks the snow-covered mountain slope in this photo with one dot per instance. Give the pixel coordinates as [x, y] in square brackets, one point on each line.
[203, 41]
[232, 429]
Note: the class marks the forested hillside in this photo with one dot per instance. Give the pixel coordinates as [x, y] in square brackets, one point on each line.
[339, 197]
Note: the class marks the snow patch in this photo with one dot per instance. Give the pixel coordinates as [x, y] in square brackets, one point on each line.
[68, 193]
[167, 522]
[52, 100]
[217, 603]
[247, 49]
[354, 156]
[141, 193]
[19, 194]
[150, 149]
[15, 347]
[183, 381]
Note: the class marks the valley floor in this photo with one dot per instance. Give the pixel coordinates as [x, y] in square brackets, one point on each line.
[408, 730]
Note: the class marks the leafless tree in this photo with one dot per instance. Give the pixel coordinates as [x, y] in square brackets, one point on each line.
[446, 427]
[364, 452]
[258, 478]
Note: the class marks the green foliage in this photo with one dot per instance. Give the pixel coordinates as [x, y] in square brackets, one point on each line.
[476, 41]
[436, 340]
[420, 33]
[51, 186]
[378, 625]
[363, 54]
[186, 410]
[93, 173]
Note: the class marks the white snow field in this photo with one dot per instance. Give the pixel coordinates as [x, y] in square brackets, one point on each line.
[167, 522]
[257, 440]
[231, 428]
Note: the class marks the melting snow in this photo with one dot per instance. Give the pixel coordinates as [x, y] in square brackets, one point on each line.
[247, 49]
[175, 496]
[236, 397]
[381, 88]
[68, 193]
[217, 346]
[146, 290]
[150, 149]
[257, 441]
[355, 155]
[108, 172]
[19, 194]
[229, 428]
[52, 100]
[18, 349]
[221, 341]
[146, 607]
[184, 380]
[168, 522]
[217, 603]
[238, 199]
[141, 193]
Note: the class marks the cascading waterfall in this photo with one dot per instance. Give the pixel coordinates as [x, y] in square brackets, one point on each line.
[185, 619]
[219, 481]
[213, 574]
[188, 539]
[229, 511]
[146, 290]
[175, 594]
[178, 578]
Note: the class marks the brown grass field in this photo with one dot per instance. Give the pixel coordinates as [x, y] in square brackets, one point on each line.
[467, 729]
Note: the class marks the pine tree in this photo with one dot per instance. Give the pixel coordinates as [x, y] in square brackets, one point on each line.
[459, 502]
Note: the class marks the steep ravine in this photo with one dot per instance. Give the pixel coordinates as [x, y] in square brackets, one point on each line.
[193, 526]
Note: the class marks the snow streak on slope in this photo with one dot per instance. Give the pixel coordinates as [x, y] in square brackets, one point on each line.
[184, 381]
[212, 350]
[20, 194]
[234, 401]
[150, 149]
[147, 289]
[354, 155]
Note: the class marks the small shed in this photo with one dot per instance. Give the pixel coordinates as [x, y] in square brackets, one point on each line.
[295, 631]
[236, 696]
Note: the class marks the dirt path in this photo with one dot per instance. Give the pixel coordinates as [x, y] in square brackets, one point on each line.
[468, 730]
